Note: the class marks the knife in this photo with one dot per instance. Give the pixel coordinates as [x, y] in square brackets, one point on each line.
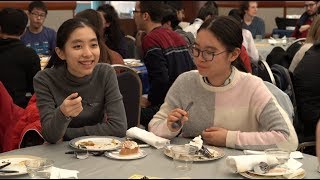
[8, 171]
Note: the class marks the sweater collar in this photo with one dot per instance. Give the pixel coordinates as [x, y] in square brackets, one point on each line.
[73, 79]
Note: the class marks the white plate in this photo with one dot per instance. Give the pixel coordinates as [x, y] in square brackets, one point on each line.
[256, 176]
[17, 164]
[274, 172]
[131, 60]
[101, 143]
[115, 155]
[218, 153]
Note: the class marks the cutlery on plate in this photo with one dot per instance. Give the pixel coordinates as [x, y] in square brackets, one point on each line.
[8, 171]
[5, 165]
[178, 123]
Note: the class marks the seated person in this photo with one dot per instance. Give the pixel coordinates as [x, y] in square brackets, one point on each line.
[166, 56]
[42, 39]
[78, 96]
[306, 19]
[19, 63]
[306, 83]
[312, 37]
[251, 21]
[231, 108]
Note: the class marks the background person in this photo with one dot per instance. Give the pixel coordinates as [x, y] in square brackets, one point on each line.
[19, 63]
[231, 108]
[79, 96]
[251, 21]
[41, 38]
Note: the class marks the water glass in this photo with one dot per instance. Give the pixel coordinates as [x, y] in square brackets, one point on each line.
[275, 36]
[281, 155]
[39, 168]
[258, 37]
[183, 156]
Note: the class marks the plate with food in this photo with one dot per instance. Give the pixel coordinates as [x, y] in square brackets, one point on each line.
[274, 175]
[132, 62]
[95, 143]
[129, 150]
[16, 164]
[216, 153]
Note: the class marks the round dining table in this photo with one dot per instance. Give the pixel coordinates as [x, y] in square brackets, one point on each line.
[155, 164]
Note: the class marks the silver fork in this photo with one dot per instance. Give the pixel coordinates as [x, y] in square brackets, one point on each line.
[205, 151]
[178, 123]
[263, 167]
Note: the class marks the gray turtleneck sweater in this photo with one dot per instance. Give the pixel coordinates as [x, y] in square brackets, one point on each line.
[103, 110]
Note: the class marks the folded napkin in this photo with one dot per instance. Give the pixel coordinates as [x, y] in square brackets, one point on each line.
[295, 154]
[245, 163]
[148, 137]
[295, 175]
[58, 173]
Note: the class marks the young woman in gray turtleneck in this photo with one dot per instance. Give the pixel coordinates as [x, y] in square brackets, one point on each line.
[75, 95]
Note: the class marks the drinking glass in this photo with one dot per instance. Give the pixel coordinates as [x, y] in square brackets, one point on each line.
[183, 156]
[39, 168]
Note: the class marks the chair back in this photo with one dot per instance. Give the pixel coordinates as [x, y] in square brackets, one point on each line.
[131, 89]
[294, 48]
[131, 42]
[264, 72]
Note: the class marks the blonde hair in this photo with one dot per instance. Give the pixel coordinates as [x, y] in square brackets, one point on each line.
[314, 32]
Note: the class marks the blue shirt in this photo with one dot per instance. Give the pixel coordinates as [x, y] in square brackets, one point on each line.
[43, 42]
[257, 27]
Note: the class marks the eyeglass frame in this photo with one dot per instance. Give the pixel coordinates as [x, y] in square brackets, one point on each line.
[42, 16]
[193, 47]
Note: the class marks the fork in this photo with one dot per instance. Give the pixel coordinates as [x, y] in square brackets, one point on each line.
[205, 151]
[263, 167]
[178, 123]
[5, 165]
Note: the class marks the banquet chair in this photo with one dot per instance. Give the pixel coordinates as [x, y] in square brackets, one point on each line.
[131, 42]
[294, 48]
[131, 89]
[264, 72]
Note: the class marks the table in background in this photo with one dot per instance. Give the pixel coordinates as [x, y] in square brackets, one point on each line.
[264, 47]
[155, 164]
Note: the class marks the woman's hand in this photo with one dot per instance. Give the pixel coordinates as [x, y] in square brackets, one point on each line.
[175, 115]
[215, 136]
[71, 106]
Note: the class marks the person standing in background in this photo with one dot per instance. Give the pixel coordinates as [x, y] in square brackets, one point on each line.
[41, 38]
[19, 64]
[251, 21]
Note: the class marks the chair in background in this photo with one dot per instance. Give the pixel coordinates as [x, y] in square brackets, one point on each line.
[294, 48]
[131, 41]
[131, 89]
[264, 72]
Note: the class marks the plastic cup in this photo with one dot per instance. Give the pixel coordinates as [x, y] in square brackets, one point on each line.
[183, 156]
[39, 168]
[281, 155]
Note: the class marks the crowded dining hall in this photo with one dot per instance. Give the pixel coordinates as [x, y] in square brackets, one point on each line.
[159, 90]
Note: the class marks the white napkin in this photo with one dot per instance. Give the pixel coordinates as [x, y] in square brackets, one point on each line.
[245, 163]
[295, 154]
[148, 137]
[295, 174]
[58, 173]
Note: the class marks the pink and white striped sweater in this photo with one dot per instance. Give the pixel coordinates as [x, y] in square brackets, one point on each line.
[245, 107]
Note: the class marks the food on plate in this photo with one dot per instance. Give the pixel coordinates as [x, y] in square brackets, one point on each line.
[87, 143]
[129, 148]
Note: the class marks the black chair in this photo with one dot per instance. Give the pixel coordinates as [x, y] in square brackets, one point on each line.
[294, 48]
[131, 42]
[264, 72]
[131, 89]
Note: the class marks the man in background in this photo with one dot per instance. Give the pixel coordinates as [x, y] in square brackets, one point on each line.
[165, 53]
[304, 23]
[42, 39]
[18, 63]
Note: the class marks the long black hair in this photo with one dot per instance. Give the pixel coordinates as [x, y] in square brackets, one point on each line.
[63, 35]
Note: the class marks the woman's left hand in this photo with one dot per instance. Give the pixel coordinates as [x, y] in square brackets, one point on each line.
[215, 136]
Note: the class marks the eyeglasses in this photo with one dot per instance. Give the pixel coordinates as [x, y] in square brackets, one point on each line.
[206, 55]
[137, 11]
[309, 5]
[38, 15]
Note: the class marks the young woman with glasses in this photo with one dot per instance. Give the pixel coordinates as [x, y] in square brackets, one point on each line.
[230, 108]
